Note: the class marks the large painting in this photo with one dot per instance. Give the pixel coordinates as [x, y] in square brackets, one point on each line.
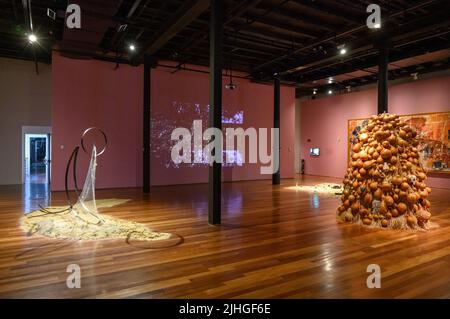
[434, 134]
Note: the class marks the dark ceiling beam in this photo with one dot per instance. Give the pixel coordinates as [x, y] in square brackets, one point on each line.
[119, 36]
[233, 13]
[405, 4]
[371, 61]
[416, 34]
[133, 8]
[256, 41]
[238, 45]
[27, 17]
[277, 37]
[314, 22]
[251, 43]
[231, 45]
[283, 26]
[14, 9]
[331, 11]
[340, 35]
[397, 74]
[187, 13]
[249, 59]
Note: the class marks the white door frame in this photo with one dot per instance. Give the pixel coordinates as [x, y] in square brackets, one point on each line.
[47, 130]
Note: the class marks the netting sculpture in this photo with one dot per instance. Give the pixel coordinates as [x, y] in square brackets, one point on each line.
[81, 220]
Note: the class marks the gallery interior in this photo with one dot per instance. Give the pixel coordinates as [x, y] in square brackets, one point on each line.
[113, 167]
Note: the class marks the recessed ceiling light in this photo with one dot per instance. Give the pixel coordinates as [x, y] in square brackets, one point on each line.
[315, 91]
[330, 80]
[32, 38]
[132, 47]
[330, 92]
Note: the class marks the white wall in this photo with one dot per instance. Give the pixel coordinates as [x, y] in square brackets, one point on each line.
[25, 100]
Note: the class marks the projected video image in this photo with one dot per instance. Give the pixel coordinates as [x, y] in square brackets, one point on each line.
[182, 114]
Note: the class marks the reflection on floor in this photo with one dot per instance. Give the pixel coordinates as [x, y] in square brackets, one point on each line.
[37, 177]
[274, 242]
[35, 194]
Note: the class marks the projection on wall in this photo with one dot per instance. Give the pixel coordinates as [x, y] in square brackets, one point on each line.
[182, 114]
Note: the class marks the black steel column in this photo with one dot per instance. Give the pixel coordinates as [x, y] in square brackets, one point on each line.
[215, 109]
[146, 126]
[383, 78]
[276, 125]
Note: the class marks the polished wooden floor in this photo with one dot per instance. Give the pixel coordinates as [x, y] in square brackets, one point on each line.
[273, 243]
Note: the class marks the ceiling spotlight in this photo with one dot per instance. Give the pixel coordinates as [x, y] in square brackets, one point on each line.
[349, 88]
[315, 91]
[32, 38]
[342, 49]
[330, 80]
[231, 86]
[330, 92]
[415, 76]
[132, 47]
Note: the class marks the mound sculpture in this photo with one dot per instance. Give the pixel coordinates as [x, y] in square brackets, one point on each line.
[385, 183]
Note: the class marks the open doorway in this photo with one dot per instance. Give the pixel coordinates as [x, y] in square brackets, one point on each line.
[36, 154]
[37, 158]
[36, 166]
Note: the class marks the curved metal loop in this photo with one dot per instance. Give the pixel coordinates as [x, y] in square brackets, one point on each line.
[93, 129]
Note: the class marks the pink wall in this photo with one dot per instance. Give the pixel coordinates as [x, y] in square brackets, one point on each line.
[324, 121]
[93, 93]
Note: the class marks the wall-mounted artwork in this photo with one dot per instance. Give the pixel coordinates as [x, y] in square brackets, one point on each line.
[434, 136]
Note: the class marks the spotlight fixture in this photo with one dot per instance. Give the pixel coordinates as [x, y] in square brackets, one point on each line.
[349, 88]
[315, 91]
[132, 47]
[32, 38]
[330, 92]
[342, 49]
[415, 76]
[330, 80]
[230, 85]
